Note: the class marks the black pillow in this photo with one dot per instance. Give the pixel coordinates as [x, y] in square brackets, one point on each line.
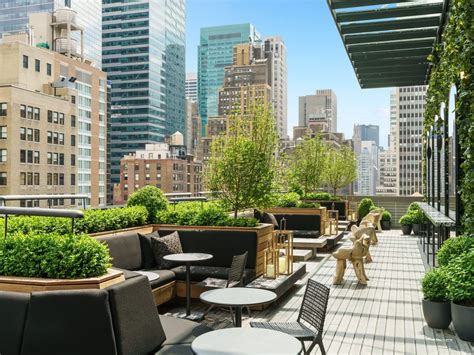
[163, 246]
[270, 218]
[257, 214]
[148, 259]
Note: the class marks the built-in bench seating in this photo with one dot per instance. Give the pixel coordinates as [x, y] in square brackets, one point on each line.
[302, 225]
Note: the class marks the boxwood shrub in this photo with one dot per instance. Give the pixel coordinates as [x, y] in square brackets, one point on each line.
[453, 247]
[365, 206]
[434, 285]
[53, 255]
[152, 198]
[461, 279]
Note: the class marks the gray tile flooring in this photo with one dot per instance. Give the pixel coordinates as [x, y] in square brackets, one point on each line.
[384, 317]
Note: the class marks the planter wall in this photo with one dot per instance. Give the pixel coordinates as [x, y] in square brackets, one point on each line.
[320, 211]
[437, 314]
[32, 284]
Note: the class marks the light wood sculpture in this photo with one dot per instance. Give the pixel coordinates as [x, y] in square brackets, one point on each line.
[358, 233]
[372, 219]
[355, 255]
[370, 231]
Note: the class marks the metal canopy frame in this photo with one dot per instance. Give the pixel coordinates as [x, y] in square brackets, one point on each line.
[388, 41]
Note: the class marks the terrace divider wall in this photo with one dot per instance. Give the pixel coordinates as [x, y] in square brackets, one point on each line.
[317, 211]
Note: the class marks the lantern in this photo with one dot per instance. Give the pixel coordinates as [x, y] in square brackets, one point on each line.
[283, 240]
[270, 263]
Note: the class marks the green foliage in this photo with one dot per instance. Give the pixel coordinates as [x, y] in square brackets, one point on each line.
[303, 204]
[454, 247]
[291, 199]
[322, 196]
[211, 214]
[434, 285]
[94, 221]
[53, 256]
[451, 64]
[406, 219]
[341, 168]
[418, 216]
[150, 197]
[386, 216]
[413, 207]
[242, 166]
[365, 205]
[308, 163]
[297, 189]
[461, 278]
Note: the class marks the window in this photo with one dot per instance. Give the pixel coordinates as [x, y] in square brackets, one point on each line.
[73, 99]
[55, 117]
[23, 133]
[3, 155]
[61, 118]
[36, 179]
[3, 108]
[73, 140]
[3, 132]
[50, 158]
[25, 61]
[29, 157]
[23, 111]
[36, 113]
[61, 138]
[29, 178]
[22, 178]
[73, 159]
[29, 112]
[73, 179]
[73, 121]
[50, 116]
[61, 179]
[36, 157]
[61, 159]
[48, 69]
[55, 179]
[37, 65]
[50, 137]
[29, 134]
[49, 179]
[55, 138]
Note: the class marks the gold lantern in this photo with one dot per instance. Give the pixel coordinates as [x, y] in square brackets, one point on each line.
[270, 262]
[284, 244]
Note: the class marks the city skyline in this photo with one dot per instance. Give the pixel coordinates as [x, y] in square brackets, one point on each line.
[307, 71]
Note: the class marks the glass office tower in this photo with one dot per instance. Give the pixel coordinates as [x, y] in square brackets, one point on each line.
[215, 52]
[144, 57]
[14, 18]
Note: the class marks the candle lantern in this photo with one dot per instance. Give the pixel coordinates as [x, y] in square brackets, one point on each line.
[270, 263]
[283, 241]
[333, 221]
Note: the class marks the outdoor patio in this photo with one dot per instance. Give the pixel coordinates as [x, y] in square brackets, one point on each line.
[383, 317]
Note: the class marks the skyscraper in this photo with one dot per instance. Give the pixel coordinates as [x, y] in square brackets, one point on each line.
[215, 51]
[364, 132]
[367, 168]
[279, 83]
[410, 109]
[144, 56]
[320, 108]
[191, 86]
[14, 18]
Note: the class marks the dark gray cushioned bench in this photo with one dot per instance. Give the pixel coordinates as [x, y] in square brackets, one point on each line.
[302, 225]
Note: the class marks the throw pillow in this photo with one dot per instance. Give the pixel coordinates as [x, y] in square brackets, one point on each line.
[167, 245]
[270, 218]
[148, 259]
[257, 214]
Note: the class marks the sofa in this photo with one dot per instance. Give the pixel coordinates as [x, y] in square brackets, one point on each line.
[340, 206]
[302, 225]
[133, 252]
[119, 320]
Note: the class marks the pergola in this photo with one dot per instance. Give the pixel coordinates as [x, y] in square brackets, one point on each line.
[388, 41]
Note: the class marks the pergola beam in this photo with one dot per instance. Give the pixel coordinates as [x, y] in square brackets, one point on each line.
[411, 23]
[394, 12]
[342, 4]
[390, 36]
[388, 46]
[401, 54]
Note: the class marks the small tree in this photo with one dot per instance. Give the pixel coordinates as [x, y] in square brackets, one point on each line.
[241, 169]
[341, 168]
[152, 198]
[308, 163]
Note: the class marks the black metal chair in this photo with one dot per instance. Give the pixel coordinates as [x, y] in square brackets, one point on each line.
[235, 278]
[312, 315]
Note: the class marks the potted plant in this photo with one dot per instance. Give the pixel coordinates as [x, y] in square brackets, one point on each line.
[365, 206]
[419, 219]
[407, 223]
[461, 293]
[452, 248]
[386, 220]
[436, 306]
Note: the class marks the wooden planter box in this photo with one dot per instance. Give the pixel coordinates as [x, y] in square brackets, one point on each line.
[32, 284]
[318, 211]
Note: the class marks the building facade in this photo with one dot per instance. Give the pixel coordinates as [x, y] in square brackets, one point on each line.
[365, 132]
[53, 124]
[14, 17]
[216, 51]
[158, 165]
[387, 173]
[191, 86]
[410, 108]
[367, 169]
[193, 130]
[320, 107]
[144, 56]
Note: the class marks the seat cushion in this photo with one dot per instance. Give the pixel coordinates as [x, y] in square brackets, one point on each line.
[176, 350]
[125, 250]
[137, 325]
[148, 258]
[199, 273]
[13, 309]
[212, 282]
[127, 273]
[181, 331]
[305, 234]
[69, 322]
[165, 277]
[169, 244]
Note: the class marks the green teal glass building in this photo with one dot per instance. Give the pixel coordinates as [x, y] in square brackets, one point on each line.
[215, 52]
[144, 57]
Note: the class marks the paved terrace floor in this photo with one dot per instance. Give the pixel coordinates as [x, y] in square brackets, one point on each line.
[384, 317]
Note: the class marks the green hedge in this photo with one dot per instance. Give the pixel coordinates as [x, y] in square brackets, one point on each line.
[452, 248]
[292, 199]
[195, 214]
[53, 255]
[94, 221]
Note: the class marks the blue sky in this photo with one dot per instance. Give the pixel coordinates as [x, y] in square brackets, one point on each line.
[316, 55]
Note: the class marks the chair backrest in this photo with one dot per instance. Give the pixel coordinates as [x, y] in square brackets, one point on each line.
[315, 302]
[237, 268]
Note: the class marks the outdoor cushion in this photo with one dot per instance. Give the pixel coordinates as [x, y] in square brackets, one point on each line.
[125, 250]
[309, 222]
[148, 259]
[69, 322]
[305, 234]
[257, 214]
[165, 276]
[199, 273]
[163, 246]
[137, 325]
[13, 309]
[127, 273]
[181, 331]
[270, 218]
[175, 350]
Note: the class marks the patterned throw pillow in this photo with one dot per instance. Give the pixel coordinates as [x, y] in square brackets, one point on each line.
[167, 245]
[270, 218]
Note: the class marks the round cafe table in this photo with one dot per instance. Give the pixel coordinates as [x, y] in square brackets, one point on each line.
[234, 341]
[238, 297]
[150, 275]
[188, 259]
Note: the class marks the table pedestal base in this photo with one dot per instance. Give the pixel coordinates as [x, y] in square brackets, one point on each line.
[195, 316]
